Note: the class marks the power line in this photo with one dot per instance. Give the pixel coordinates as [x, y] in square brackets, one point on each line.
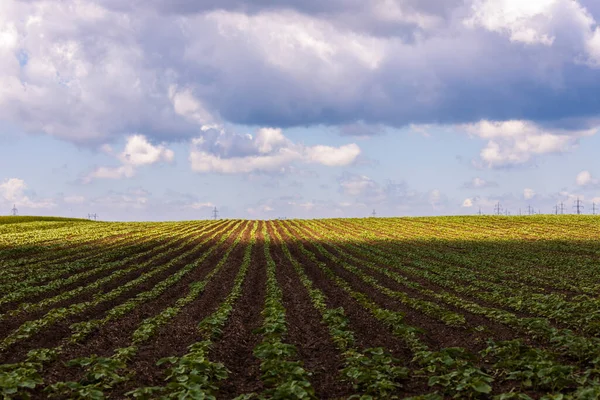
[215, 213]
[530, 210]
[497, 209]
[14, 210]
[578, 206]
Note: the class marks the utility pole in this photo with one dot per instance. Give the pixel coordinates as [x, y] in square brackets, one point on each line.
[215, 213]
[14, 210]
[373, 214]
[497, 208]
[578, 206]
[530, 210]
[594, 208]
[479, 210]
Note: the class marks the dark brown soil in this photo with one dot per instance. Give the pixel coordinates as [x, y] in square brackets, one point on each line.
[306, 331]
[235, 347]
[167, 341]
[51, 335]
[137, 246]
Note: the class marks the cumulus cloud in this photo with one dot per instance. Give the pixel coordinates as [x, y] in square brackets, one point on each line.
[528, 193]
[585, 178]
[221, 151]
[467, 203]
[518, 142]
[13, 191]
[541, 22]
[138, 152]
[91, 72]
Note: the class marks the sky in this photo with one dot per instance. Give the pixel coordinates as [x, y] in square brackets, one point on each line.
[165, 109]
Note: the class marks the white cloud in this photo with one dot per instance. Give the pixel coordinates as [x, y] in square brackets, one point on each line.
[467, 203]
[199, 205]
[189, 106]
[528, 193]
[517, 142]
[332, 156]
[541, 22]
[584, 178]
[138, 152]
[479, 183]
[229, 153]
[357, 185]
[13, 191]
[522, 21]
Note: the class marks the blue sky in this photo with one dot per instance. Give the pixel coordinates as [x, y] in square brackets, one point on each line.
[158, 110]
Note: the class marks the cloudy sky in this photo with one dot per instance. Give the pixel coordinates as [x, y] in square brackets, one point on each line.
[164, 109]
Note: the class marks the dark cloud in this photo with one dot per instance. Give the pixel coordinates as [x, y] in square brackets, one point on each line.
[354, 64]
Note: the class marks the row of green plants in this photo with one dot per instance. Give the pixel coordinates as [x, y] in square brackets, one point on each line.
[110, 260]
[44, 237]
[449, 371]
[72, 245]
[372, 372]
[117, 364]
[563, 342]
[581, 312]
[51, 268]
[29, 328]
[564, 267]
[194, 375]
[283, 375]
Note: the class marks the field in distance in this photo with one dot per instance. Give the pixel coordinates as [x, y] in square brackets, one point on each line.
[423, 308]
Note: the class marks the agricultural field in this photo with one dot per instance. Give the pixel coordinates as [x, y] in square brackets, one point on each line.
[375, 308]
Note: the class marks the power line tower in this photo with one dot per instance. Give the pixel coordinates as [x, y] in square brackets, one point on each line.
[215, 213]
[93, 216]
[556, 209]
[594, 208]
[373, 214]
[530, 210]
[479, 210]
[578, 206]
[497, 209]
[562, 208]
[14, 210]
[506, 212]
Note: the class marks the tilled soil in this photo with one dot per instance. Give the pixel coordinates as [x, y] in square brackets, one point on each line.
[306, 331]
[52, 334]
[167, 341]
[234, 348]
